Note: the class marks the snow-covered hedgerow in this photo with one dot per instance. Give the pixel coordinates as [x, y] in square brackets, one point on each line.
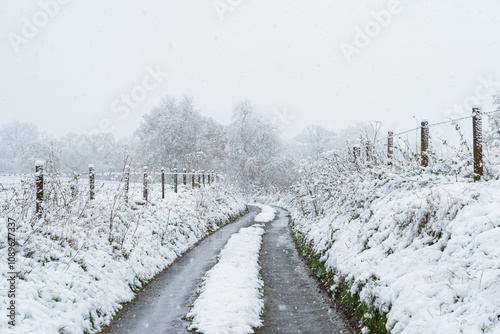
[83, 259]
[230, 300]
[406, 250]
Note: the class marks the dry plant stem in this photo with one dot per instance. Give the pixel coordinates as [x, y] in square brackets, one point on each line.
[117, 203]
[71, 261]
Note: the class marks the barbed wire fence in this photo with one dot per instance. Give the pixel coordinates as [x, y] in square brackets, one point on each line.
[435, 124]
[397, 147]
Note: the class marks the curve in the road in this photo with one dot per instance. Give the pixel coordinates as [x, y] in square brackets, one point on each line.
[294, 301]
[160, 307]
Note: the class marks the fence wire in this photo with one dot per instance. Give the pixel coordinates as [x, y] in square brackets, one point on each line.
[435, 124]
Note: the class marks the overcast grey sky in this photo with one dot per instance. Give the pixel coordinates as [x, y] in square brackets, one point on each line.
[69, 67]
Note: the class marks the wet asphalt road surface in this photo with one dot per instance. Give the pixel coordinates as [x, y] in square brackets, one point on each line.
[160, 307]
[294, 301]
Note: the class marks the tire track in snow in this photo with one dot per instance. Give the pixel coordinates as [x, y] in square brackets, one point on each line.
[294, 301]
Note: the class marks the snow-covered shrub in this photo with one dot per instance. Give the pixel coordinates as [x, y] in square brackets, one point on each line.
[83, 259]
[406, 249]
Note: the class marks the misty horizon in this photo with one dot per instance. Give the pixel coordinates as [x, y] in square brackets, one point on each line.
[338, 65]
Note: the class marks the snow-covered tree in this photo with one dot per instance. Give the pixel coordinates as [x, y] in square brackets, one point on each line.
[315, 140]
[492, 134]
[20, 146]
[253, 146]
[174, 134]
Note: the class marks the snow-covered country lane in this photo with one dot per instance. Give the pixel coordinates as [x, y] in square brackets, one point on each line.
[235, 299]
[161, 306]
[247, 277]
[230, 297]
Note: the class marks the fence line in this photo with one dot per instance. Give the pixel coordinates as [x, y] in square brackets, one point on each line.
[477, 129]
[436, 124]
[211, 176]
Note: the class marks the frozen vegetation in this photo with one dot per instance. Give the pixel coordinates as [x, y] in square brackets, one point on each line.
[83, 259]
[405, 249]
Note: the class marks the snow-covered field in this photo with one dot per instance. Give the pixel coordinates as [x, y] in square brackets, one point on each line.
[425, 250]
[83, 259]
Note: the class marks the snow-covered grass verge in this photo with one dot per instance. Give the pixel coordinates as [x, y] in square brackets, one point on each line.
[83, 259]
[267, 214]
[230, 299]
[407, 253]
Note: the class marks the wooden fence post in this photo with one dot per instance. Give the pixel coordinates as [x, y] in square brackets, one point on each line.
[356, 152]
[192, 178]
[199, 179]
[39, 187]
[203, 176]
[209, 175]
[424, 143]
[162, 182]
[184, 176]
[368, 150]
[145, 184]
[390, 147]
[127, 182]
[92, 181]
[175, 180]
[477, 131]
[74, 186]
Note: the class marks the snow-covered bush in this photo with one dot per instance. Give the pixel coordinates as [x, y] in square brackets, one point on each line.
[82, 259]
[406, 249]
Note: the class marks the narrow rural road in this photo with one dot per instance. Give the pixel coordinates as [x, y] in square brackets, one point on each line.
[294, 301]
[159, 308]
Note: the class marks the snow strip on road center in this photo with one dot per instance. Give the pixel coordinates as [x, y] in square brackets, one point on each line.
[230, 299]
[267, 215]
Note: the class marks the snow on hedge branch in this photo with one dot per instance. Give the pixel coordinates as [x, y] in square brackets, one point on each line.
[79, 263]
[415, 245]
[230, 300]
